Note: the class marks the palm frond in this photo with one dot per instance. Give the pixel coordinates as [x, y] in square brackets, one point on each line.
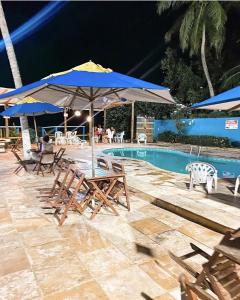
[196, 34]
[230, 72]
[186, 27]
[231, 81]
[173, 29]
[162, 6]
[216, 14]
[215, 23]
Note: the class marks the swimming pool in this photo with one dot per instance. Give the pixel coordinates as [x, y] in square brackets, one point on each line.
[176, 161]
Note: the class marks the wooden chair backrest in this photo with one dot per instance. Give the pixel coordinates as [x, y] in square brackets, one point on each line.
[118, 168]
[59, 154]
[17, 156]
[102, 163]
[74, 182]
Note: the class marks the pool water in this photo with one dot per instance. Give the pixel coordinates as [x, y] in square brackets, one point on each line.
[176, 161]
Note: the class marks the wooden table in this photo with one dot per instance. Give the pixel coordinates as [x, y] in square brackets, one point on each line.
[95, 184]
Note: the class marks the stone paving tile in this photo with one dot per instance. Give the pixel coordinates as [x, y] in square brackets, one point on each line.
[13, 259]
[89, 290]
[105, 262]
[63, 273]
[201, 234]
[165, 297]
[41, 235]
[106, 258]
[158, 274]
[19, 286]
[131, 283]
[150, 226]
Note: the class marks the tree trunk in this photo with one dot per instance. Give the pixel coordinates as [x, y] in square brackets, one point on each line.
[16, 77]
[204, 63]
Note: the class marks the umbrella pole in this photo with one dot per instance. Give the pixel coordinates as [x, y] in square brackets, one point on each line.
[35, 126]
[132, 123]
[65, 114]
[104, 118]
[91, 131]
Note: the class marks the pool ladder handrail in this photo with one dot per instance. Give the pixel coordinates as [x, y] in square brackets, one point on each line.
[198, 151]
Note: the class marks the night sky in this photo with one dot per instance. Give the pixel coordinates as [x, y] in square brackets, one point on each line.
[117, 35]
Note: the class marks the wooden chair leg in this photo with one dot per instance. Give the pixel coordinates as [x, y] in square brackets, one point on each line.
[186, 293]
[18, 169]
[126, 193]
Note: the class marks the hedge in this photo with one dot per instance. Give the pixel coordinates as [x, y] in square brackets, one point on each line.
[201, 140]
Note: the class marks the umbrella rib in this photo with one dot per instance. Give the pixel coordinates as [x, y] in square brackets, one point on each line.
[233, 108]
[84, 93]
[97, 90]
[37, 90]
[109, 92]
[158, 96]
[63, 90]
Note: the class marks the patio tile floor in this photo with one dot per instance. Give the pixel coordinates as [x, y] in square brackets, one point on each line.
[109, 257]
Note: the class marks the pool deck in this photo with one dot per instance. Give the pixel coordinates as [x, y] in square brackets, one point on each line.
[219, 210]
[109, 257]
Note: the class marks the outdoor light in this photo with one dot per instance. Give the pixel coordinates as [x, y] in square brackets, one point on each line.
[77, 113]
[65, 115]
[89, 119]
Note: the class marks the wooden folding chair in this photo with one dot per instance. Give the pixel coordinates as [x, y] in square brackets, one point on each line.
[77, 192]
[58, 157]
[58, 184]
[18, 143]
[121, 187]
[22, 163]
[46, 161]
[220, 276]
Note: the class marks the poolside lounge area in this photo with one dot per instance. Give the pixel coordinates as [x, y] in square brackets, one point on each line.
[110, 257]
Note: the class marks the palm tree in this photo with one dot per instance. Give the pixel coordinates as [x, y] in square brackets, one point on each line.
[231, 78]
[201, 24]
[16, 77]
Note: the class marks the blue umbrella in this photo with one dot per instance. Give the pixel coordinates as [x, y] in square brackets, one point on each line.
[229, 100]
[91, 85]
[30, 107]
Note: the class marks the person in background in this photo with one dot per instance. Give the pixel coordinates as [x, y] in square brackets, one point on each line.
[100, 132]
[96, 137]
[113, 131]
[45, 147]
[109, 135]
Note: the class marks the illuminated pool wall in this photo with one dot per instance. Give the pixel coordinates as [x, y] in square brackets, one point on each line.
[201, 126]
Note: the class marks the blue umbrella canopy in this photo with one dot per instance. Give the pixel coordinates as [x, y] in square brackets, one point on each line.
[78, 87]
[30, 107]
[229, 100]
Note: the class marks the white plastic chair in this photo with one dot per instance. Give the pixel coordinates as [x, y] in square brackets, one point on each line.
[119, 137]
[202, 173]
[142, 138]
[109, 135]
[59, 138]
[69, 137]
[236, 186]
